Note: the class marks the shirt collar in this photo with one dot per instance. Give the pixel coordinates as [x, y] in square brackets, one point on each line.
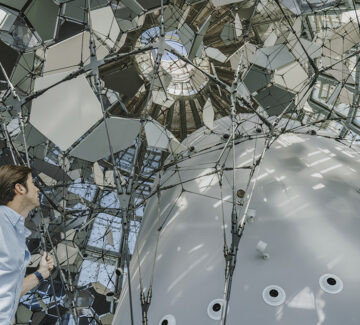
[17, 220]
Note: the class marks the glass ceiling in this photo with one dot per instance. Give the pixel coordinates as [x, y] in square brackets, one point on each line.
[184, 77]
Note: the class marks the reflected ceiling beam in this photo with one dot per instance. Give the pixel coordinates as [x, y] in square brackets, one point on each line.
[196, 115]
[183, 126]
[169, 117]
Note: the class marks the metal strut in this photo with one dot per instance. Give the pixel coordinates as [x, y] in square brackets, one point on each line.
[230, 258]
[18, 108]
[145, 304]
[117, 176]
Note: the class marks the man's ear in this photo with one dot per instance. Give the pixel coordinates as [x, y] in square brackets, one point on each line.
[19, 189]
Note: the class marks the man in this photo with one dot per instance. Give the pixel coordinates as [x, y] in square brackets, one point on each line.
[18, 196]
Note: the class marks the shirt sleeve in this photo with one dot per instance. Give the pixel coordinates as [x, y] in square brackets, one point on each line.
[9, 272]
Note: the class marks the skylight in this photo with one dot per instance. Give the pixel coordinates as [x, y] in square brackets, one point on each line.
[178, 78]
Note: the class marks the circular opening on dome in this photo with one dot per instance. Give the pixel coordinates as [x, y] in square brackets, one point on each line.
[168, 320]
[331, 281]
[273, 293]
[216, 307]
[240, 193]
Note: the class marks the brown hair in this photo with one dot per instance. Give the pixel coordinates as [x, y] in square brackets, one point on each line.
[11, 175]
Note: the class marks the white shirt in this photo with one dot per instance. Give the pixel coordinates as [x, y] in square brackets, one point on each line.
[14, 258]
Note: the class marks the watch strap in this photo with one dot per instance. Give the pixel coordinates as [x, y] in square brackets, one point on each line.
[39, 276]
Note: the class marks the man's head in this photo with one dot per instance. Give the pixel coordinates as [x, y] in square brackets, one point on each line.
[16, 186]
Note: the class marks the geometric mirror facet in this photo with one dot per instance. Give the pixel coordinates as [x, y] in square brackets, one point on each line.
[72, 105]
[95, 146]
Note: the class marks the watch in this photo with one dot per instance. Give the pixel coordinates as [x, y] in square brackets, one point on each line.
[39, 276]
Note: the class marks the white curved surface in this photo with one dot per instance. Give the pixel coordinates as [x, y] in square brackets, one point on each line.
[307, 211]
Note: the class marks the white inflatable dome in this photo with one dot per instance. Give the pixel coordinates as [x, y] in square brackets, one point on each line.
[298, 260]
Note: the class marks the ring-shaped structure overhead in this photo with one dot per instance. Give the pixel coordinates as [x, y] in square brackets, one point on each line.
[178, 78]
